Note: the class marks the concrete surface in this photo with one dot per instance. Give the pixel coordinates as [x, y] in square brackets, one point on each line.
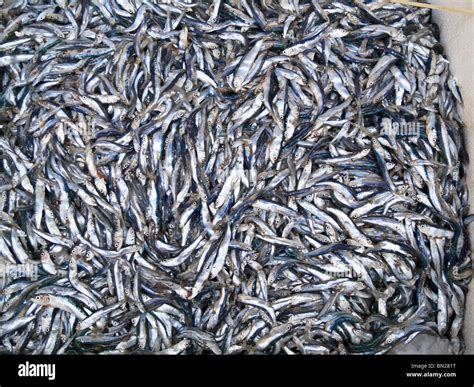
[457, 37]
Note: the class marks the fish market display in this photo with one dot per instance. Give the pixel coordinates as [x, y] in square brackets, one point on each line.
[225, 177]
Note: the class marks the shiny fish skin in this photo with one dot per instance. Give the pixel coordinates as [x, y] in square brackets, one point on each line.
[221, 177]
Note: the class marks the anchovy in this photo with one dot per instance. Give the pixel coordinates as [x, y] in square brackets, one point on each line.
[223, 177]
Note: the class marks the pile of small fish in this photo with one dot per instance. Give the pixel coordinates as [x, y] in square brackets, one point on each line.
[228, 176]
